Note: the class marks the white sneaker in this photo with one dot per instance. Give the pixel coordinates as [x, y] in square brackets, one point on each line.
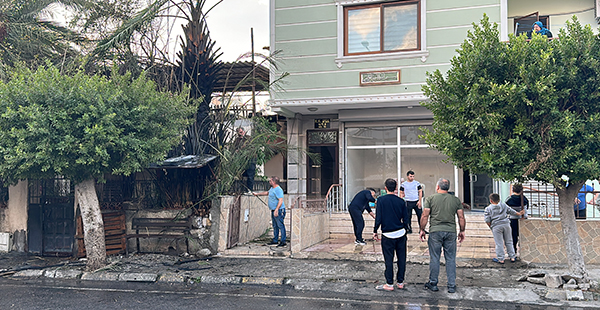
[360, 242]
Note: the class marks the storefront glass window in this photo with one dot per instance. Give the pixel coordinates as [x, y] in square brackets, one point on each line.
[428, 166]
[370, 168]
[410, 135]
[372, 157]
[372, 136]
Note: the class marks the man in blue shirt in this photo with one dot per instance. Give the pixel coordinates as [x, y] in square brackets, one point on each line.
[277, 207]
[580, 205]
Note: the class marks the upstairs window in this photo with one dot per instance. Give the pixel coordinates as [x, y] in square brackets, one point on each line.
[379, 28]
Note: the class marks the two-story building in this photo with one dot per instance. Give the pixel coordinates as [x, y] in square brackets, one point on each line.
[356, 68]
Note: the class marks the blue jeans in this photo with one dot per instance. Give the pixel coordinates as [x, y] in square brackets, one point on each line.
[278, 225]
[437, 241]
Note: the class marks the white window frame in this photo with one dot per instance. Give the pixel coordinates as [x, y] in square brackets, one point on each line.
[423, 53]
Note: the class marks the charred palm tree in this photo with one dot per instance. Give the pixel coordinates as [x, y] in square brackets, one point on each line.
[197, 67]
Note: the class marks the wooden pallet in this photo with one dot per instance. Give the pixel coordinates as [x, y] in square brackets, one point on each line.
[114, 232]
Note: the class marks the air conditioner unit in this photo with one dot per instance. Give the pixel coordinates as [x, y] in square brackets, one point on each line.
[5, 242]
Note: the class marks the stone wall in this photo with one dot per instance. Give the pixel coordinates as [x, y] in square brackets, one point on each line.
[308, 228]
[541, 241]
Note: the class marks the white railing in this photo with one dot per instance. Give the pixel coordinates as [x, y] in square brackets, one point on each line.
[334, 199]
[332, 202]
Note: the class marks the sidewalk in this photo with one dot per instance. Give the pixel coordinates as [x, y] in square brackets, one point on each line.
[477, 279]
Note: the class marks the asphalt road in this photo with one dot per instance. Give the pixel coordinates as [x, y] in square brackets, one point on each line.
[72, 294]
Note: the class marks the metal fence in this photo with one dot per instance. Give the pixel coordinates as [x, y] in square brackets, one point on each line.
[543, 201]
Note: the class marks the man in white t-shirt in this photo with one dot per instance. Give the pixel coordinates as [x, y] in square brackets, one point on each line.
[412, 192]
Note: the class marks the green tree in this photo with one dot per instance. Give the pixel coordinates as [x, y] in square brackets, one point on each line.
[83, 127]
[524, 110]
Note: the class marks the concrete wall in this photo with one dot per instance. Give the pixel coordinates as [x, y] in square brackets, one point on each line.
[16, 212]
[542, 241]
[308, 228]
[255, 218]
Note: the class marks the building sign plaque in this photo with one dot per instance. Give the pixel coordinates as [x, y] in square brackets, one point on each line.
[380, 77]
[322, 123]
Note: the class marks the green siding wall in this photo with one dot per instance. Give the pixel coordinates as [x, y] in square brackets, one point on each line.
[311, 63]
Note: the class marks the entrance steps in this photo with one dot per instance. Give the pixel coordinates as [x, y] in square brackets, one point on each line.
[479, 240]
[340, 226]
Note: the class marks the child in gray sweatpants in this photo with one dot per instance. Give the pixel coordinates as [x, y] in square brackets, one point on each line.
[496, 217]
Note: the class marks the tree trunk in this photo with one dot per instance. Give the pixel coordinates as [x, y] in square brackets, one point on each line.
[93, 226]
[566, 199]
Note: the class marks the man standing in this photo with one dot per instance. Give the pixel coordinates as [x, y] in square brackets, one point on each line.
[241, 141]
[393, 218]
[412, 192]
[443, 208]
[580, 206]
[277, 207]
[359, 204]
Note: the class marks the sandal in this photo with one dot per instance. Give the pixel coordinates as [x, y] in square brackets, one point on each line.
[495, 260]
[400, 286]
[512, 260]
[384, 287]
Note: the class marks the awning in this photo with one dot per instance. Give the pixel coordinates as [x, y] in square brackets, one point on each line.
[184, 162]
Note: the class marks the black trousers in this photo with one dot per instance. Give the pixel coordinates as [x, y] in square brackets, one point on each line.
[514, 226]
[389, 247]
[358, 222]
[410, 205]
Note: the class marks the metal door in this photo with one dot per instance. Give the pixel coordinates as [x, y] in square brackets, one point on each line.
[51, 222]
[234, 223]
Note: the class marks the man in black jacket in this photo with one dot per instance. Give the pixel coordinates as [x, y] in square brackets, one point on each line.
[359, 204]
[393, 217]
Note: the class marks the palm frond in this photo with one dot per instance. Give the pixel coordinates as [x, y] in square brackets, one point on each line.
[123, 34]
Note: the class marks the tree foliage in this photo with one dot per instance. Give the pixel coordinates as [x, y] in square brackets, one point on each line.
[524, 110]
[83, 126]
[521, 109]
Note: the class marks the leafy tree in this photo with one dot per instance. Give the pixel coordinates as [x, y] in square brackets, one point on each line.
[82, 127]
[524, 110]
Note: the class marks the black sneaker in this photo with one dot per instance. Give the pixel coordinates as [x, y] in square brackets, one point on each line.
[432, 287]
[451, 289]
[273, 243]
[360, 242]
[282, 245]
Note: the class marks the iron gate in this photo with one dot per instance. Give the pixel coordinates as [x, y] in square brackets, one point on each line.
[51, 217]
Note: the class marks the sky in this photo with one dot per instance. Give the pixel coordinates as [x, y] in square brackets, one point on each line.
[229, 24]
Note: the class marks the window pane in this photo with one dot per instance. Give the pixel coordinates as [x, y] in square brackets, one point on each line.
[369, 168]
[363, 30]
[410, 135]
[400, 27]
[428, 167]
[372, 136]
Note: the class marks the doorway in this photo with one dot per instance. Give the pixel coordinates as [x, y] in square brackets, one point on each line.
[477, 189]
[51, 217]
[322, 172]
